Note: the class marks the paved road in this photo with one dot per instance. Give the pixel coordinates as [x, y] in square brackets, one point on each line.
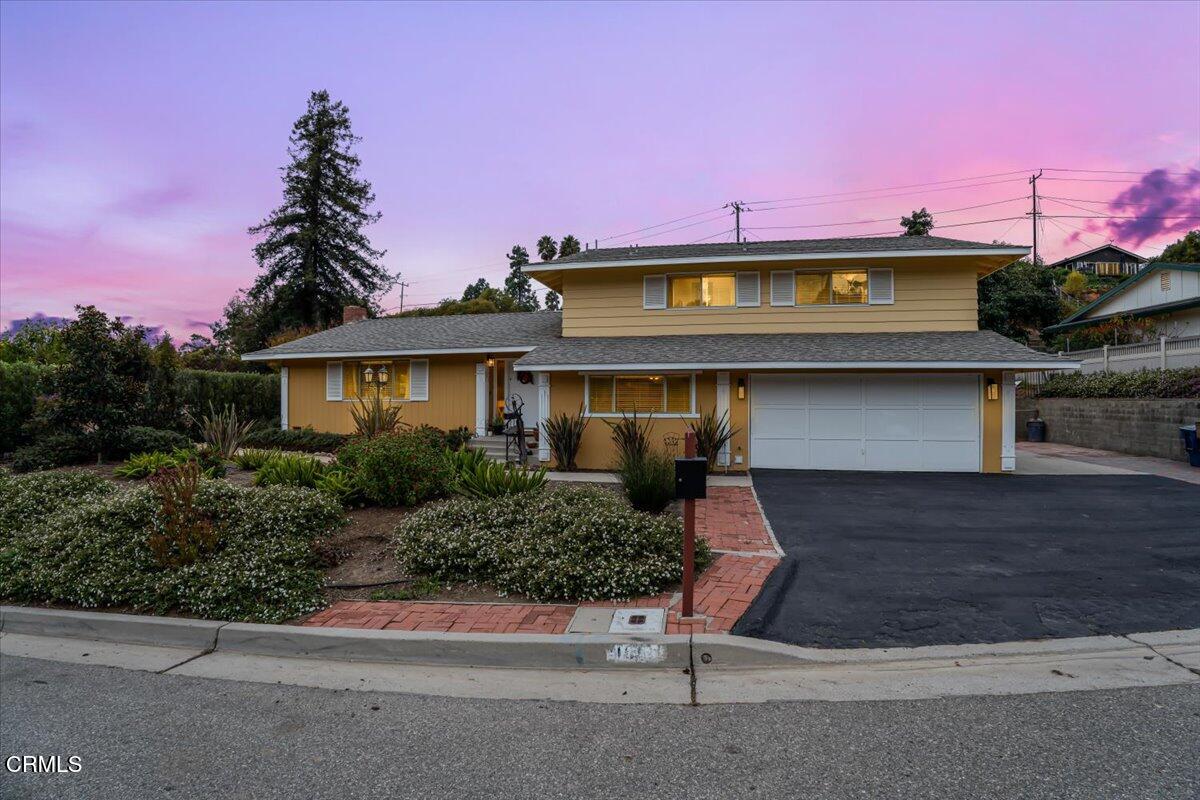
[887, 559]
[155, 736]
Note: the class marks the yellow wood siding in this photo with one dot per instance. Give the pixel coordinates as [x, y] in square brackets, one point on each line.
[931, 295]
[451, 402]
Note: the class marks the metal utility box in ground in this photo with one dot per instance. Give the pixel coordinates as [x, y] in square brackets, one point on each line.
[690, 478]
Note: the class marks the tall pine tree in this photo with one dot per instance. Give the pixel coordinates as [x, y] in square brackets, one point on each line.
[314, 256]
[517, 285]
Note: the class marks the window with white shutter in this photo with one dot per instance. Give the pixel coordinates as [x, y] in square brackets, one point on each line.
[748, 292]
[880, 288]
[333, 380]
[783, 288]
[654, 291]
[418, 379]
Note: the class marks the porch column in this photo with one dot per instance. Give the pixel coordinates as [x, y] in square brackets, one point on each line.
[723, 411]
[481, 399]
[1008, 423]
[283, 398]
[543, 390]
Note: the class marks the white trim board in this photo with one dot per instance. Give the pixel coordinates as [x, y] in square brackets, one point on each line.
[357, 354]
[1024, 366]
[533, 269]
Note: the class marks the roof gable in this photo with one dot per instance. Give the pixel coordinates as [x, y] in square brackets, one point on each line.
[1082, 316]
[1097, 250]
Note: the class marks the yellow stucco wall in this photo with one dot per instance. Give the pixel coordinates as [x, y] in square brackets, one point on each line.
[932, 294]
[451, 402]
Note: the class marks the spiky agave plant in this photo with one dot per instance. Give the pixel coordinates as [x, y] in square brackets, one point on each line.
[373, 417]
[223, 431]
[564, 433]
[712, 434]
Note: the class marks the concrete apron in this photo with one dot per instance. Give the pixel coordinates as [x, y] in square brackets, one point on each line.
[704, 668]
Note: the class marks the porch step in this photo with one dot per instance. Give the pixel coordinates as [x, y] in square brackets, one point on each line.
[494, 446]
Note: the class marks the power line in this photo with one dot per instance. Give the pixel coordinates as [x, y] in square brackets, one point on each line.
[1113, 171]
[886, 196]
[883, 219]
[937, 227]
[1106, 202]
[713, 236]
[1089, 180]
[659, 225]
[890, 188]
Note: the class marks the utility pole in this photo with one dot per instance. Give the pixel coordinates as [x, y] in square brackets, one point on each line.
[402, 286]
[1034, 213]
[738, 207]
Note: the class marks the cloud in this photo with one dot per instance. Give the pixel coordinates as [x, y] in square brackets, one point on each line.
[37, 318]
[1151, 202]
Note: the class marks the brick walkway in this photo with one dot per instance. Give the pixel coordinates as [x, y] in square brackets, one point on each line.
[729, 519]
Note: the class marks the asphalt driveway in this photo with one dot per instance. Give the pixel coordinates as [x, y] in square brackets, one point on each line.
[891, 559]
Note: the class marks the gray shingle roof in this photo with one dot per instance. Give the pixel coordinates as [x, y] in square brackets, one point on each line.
[782, 247]
[948, 347]
[415, 335]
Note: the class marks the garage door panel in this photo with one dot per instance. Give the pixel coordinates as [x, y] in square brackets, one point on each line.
[783, 423]
[887, 391]
[893, 424]
[835, 423]
[950, 424]
[877, 422]
[781, 453]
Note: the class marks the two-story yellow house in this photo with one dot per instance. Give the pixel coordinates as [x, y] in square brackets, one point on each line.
[842, 354]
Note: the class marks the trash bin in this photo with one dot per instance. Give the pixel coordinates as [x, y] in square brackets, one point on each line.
[1035, 430]
[1190, 443]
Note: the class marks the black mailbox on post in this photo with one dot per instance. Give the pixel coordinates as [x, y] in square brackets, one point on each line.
[690, 478]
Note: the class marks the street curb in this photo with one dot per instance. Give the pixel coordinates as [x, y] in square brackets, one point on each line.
[705, 652]
[199, 634]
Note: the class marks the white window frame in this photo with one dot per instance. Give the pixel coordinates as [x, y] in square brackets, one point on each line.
[831, 270]
[667, 291]
[587, 396]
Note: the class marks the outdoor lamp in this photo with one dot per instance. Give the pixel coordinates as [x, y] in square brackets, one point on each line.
[993, 389]
[383, 375]
[368, 375]
[491, 362]
[741, 388]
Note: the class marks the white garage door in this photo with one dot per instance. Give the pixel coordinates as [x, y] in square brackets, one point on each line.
[868, 422]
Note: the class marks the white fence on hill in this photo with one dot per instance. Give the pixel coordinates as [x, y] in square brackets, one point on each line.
[1166, 353]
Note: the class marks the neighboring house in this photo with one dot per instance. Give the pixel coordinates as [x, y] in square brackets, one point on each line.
[1107, 261]
[825, 354]
[1167, 293]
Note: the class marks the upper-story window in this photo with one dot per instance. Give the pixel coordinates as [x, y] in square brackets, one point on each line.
[700, 291]
[1108, 267]
[837, 287]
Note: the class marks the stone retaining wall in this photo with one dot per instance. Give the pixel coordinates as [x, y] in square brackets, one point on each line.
[1137, 427]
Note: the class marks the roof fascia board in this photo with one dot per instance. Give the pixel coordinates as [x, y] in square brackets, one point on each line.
[737, 259]
[1068, 259]
[1137, 313]
[809, 365]
[265, 356]
[1121, 287]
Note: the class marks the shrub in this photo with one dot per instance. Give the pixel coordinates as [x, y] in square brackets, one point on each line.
[255, 395]
[96, 553]
[143, 465]
[55, 450]
[570, 543]
[305, 439]
[289, 470]
[398, 469]
[28, 499]
[140, 439]
[632, 440]
[338, 482]
[252, 458]
[457, 438]
[1183, 382]
[223, 431]
[467, 459]
[711, 435]
[21, 383]
[183, 532]
[212, 464]
[564, 433]
[649, 481]
[373, 417]
[489, 478]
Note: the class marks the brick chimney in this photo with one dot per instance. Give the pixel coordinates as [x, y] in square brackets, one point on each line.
[353, 314]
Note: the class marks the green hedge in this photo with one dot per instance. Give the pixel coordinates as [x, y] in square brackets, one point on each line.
[20, 384]
[1144, 384]
[305, 439]
[256, 396]
[92, 550]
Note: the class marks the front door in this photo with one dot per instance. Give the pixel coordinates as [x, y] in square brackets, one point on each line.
[526, 391]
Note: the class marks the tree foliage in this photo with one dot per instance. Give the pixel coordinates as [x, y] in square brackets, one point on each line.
[37, 342]
[1018, 301]
[517, 285]
[1184, 251]
[547, 248]
[919, 224]
[314, 256]
[569, 247]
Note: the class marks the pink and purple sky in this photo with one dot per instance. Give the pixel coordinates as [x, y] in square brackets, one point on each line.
[138, 141]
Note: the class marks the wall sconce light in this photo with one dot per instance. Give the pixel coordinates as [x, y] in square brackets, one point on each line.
[741, 388]
[489, 360]
[992, 390]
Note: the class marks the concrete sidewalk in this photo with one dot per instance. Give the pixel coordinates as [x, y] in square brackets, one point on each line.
[1048, 458]
[702, 669]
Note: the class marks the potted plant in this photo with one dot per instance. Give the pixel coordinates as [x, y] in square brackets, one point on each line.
[497, 426]
[1035, 428]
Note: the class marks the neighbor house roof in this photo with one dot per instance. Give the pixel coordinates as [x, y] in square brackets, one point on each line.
[750, 251]
[1108, 246]
[1080, 318]
[939, 349]
[396, 336]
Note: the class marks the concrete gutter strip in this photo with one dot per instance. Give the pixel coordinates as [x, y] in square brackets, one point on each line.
[198, 634]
